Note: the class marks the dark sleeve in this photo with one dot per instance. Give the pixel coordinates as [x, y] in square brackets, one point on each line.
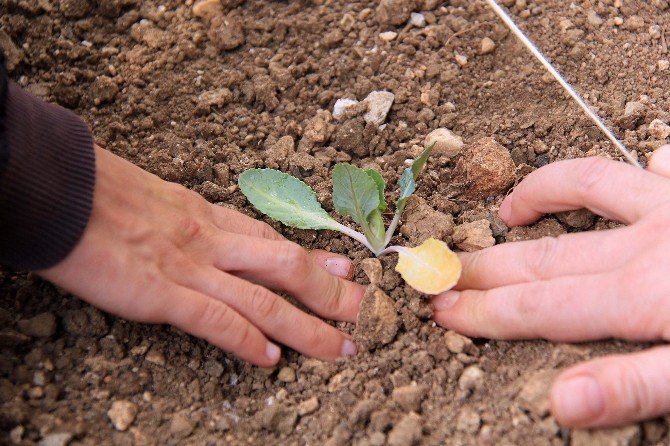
[47, 176]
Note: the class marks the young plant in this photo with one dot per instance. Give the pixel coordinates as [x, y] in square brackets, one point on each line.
[431, 268]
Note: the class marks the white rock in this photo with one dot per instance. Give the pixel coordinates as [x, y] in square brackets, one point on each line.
[122, 414]
[461, 59]
[379, 104]
[417, 19]
[388, 36]
[663, 64]
[341, 107]
[446, 142]
[659, 129]
[56, 440]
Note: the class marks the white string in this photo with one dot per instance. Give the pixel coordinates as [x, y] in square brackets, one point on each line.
[533, 49]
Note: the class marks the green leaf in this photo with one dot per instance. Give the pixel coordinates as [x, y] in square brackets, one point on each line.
[381, 186]
[355, 193]
[284, 198]
[409, 176]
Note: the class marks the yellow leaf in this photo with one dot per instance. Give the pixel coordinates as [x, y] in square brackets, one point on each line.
[431, 268]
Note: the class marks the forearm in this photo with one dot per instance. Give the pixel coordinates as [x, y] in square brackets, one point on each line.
[47, 176]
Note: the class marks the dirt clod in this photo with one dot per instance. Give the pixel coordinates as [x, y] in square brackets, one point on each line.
[622, 436]
[659, 129]
[279, 418]
[394, 12]
[407, 432]
[534, 394]
[579, 219]
[471, 379]
[377, 321]
[308, 407]
[409, 397]
[207, 9]
[474, 236]
[372, 268]
[487, 168]
[226, 32]
[422, 222]
[457, 343]
[468, 422]
[104, 89]
[43, 325]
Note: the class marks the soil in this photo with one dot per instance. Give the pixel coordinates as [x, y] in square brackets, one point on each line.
[198, 105]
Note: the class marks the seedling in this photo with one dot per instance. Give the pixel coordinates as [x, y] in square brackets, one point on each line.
[431, 268]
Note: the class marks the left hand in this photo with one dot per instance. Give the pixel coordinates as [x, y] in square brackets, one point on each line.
[582, 286]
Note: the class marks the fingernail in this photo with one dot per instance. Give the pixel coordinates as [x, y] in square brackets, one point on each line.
[506, 208]
[577, 400]
[338, 267]
[273, 352]
[445, 300]
[349, 348]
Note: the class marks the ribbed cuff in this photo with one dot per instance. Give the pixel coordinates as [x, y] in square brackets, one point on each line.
[46, 186]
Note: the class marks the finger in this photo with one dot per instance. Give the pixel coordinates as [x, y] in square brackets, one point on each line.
[285, 266]
[614, 390]
[609, 188]
[232, 221]
[569, 308]
[528, 261]
[660, 162]
[220, 325]
[273, 315]
[335, 264]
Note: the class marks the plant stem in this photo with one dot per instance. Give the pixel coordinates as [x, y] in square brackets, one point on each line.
[391, 249]
[356, 236]
[392, 227]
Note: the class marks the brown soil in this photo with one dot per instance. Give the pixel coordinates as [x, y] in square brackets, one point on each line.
[161, 89]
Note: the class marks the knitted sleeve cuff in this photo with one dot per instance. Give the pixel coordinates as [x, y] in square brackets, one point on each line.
[46, 181]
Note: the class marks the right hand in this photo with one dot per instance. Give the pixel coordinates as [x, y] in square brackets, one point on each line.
[157, 252]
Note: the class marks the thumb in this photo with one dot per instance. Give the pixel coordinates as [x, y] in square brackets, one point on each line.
[614, 390]
[660, 161]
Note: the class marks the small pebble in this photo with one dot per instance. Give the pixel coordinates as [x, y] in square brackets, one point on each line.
[122, 414]
[155, 357]
[472, 378]
[461, 59]
[308, 406]
[488, 45]
[388, 36]
[286, 374]
[417, 20]
[379, 105]
[446, 142]
[62, 439]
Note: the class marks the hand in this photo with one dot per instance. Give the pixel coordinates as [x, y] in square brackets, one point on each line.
[583, 286]
[157, 252]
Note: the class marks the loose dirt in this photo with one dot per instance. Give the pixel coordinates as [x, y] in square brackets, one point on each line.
[198, 104]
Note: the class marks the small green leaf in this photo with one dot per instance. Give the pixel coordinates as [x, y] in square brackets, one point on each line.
[355, 193]
[409, 176]
[284, 198]
[381, 186]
